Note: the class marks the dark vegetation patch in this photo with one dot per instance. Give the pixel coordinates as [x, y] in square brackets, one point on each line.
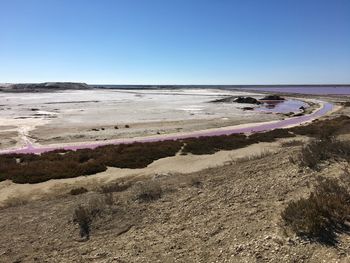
[31, 168]
[115, 187]
[292, 143]
[148, 191]
[270, 136]
[83, 218]
[212, 144]
[345, 103]
[323, 214]
[324, 128]
[78, 191]
[248, 100]
[233, 99]
[319, 150]
[273, 97]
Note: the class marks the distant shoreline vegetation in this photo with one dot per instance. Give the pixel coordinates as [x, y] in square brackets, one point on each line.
[58, 164]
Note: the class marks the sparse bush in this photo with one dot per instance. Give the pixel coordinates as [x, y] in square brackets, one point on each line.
[31, 168]
[323, 129]
[83, 217]
[96, 205]
[321, 150]
[264, 153]
[109, 199]
[115, 187]
[78, 191]
[14, 202]
[210, 145]
[270, 136]
[195, 181]
[345, 103]
[292, 143]
[321, 215]
[148, 191]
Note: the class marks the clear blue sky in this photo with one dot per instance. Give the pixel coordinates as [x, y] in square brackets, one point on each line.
[175, 41]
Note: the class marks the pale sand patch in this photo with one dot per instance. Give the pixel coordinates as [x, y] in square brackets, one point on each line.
[22, 127]
[178, 164]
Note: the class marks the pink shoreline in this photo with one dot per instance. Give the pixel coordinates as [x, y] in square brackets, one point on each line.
[327, 107]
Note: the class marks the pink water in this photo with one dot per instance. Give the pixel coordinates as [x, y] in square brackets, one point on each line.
[305, 90]
[282, 106]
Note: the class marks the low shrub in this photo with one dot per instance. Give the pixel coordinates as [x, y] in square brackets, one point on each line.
[210, 145]
[317, 151]
[109, 199]
[83, 217]
[323, 129]
[195, 181]
[264, 153]
[270, 136]
[78, 191]
[148, 191]
[31, 168]
[292, 143]
[115, 187]
[15, 201]
[321, 215]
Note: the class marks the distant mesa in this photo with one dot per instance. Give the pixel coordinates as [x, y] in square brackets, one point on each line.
[43, 87]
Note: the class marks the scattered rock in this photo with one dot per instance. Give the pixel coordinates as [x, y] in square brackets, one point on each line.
[248, 100]
[272, 97]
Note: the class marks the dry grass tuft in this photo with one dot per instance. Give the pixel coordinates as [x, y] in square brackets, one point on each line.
[292, 143]
[14, 202]
[317, 151]
[323, 214]
[258, 156]
[83, 217]
[148, 191]
[78, 191]
[115, 187]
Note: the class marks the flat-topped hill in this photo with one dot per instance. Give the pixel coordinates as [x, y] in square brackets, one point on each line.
[46, 86]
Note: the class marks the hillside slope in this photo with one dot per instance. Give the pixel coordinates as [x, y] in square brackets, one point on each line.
[223, 214]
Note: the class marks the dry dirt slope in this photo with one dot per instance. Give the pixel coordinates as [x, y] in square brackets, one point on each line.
[232, 216]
